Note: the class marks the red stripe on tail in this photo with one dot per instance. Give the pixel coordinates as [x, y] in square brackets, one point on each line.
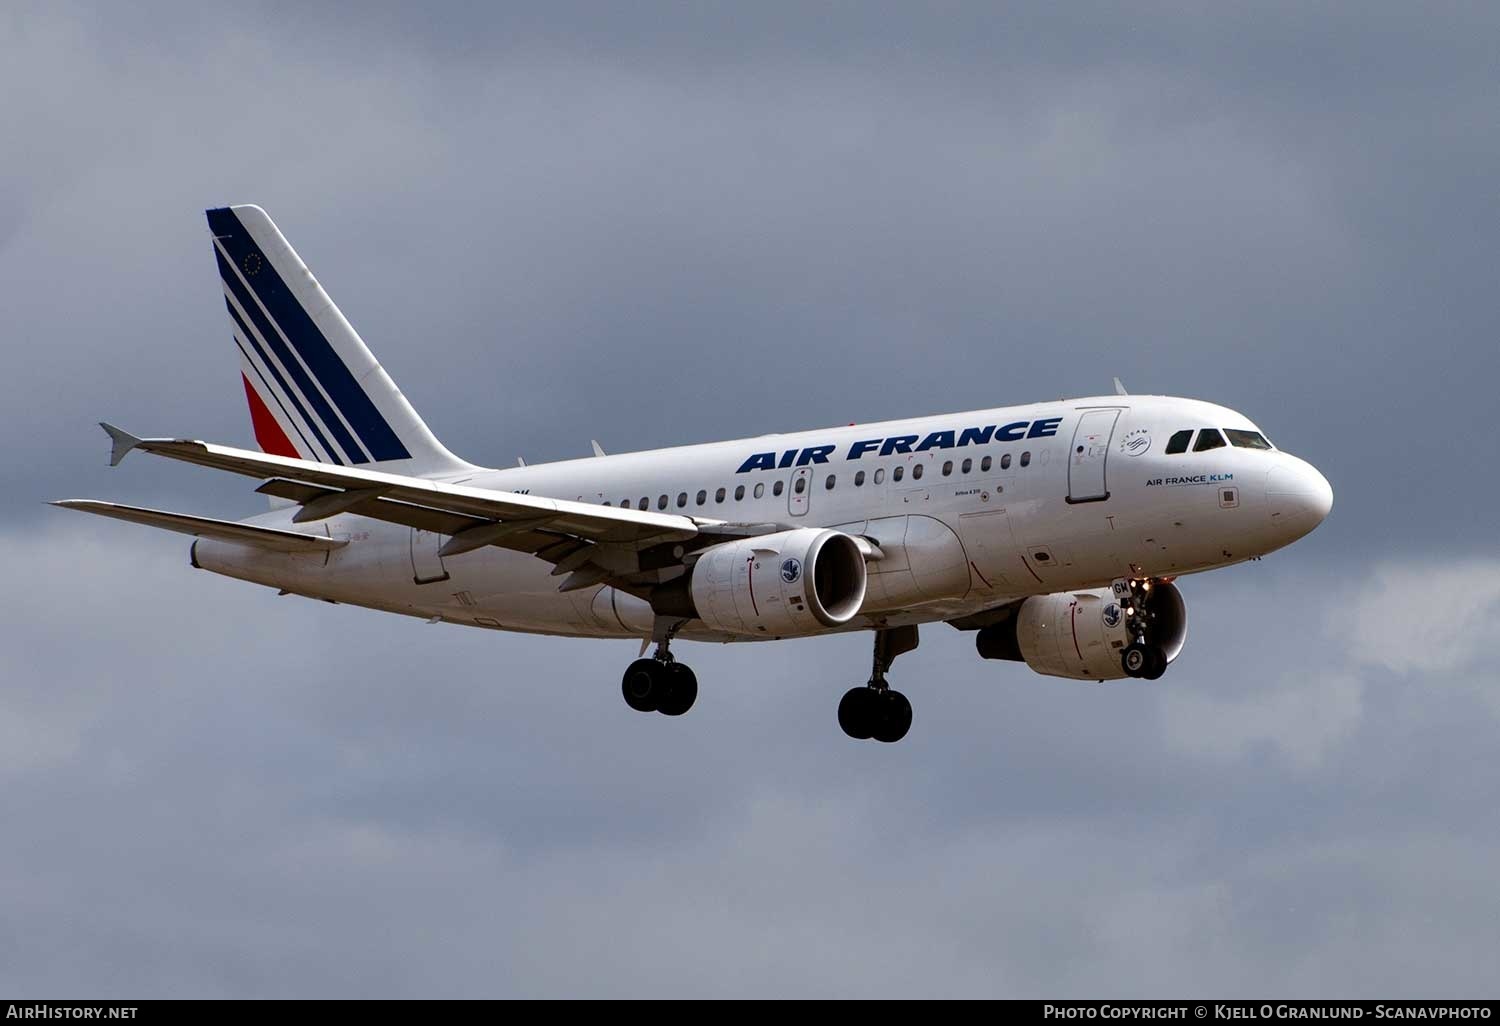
[268, 433]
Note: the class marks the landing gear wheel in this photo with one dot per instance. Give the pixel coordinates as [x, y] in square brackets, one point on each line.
[681, 691]
[644, 685]
[855, 710]
[893, 717]
[1143, 661]
[1157, 666]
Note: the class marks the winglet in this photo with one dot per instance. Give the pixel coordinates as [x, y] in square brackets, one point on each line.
[121, 442]
[1119, 388]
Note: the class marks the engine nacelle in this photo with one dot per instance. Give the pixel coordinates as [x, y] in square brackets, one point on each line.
[775, 585]
[1081, 634]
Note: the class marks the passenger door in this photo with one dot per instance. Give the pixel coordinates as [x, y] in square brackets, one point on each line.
[1087, 458]
[426, 565]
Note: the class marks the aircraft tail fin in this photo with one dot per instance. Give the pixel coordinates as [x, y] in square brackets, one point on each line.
[314, 389]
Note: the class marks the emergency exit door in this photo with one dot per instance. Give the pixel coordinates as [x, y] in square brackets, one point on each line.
[800, 492]
[1087, 481]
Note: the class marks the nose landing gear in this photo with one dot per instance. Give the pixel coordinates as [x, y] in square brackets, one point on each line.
[1143, 658]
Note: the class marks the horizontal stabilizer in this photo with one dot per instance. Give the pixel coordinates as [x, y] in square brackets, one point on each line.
[204, 527]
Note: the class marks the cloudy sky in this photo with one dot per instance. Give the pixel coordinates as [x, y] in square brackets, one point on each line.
[662, 223]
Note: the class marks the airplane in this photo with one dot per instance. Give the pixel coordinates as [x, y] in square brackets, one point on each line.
[1054, 531]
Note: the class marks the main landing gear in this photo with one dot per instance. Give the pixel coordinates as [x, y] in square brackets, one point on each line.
[1142, 658]
[660, 683]
[875, 711]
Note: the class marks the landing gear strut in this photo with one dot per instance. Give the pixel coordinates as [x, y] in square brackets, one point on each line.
[1142, 658]
[660, 683]
[875, 711]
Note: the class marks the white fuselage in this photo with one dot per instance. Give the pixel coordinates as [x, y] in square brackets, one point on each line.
[969, 510]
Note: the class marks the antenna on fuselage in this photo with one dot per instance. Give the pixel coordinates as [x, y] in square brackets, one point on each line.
[1120, 388]
[598, 449]
[520, 461]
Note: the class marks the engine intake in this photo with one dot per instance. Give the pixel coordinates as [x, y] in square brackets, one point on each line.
[1081, 634]
[775, 585]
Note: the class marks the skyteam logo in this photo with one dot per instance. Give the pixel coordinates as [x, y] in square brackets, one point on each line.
[791, 570]
[1136, 443]
[1111, 615]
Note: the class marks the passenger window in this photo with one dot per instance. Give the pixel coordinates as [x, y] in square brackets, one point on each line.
[1004, 461]
[947, 467]
[777, 488]
[800, 485]
[896, 474]
[719, 495]
[661, 502]
[1208, 438]
[880, 476]
[1179, 442]
[1026, 458]
[916, 472]
[760, 489]
[681, 499]
[828, 485]
[968, 465]
[739, 493]
[624, 503]
[1247, 439]
[702, 496]
[859, 479]
[985, 464]
[645, 502]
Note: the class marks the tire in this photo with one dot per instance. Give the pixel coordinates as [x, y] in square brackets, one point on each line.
[895, 718]
[1157, 664]
[1135, 660]
[642, 685]
[681, 690]
[854, 713]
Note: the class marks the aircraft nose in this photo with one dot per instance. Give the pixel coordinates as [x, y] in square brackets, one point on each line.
[1298, 497]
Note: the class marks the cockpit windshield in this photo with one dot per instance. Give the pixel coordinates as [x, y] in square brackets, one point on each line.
[1211, 438]
[1247, 439]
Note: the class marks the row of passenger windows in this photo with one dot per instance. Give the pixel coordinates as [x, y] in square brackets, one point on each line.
[830, 482]
[1210, 438]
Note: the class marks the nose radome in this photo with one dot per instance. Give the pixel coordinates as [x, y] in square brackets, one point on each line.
[1298, 496]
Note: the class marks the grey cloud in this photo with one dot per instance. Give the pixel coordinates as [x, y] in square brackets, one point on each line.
[245, 794]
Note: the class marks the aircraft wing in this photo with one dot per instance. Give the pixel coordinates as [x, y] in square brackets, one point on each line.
[594, 543]
[203, 527]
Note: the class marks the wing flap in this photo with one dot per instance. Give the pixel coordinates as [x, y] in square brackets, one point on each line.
[521, 535]
[206, 527]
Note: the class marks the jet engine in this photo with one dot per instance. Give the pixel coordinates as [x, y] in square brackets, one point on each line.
[776, 585]
[1085, 635]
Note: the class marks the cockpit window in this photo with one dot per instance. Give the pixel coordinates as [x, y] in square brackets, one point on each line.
[1209, 438]
[1247, 439]
[1179, 442]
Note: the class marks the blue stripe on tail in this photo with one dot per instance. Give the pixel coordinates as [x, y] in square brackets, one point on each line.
[376, 434]
[273, 341]
[249, 337]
